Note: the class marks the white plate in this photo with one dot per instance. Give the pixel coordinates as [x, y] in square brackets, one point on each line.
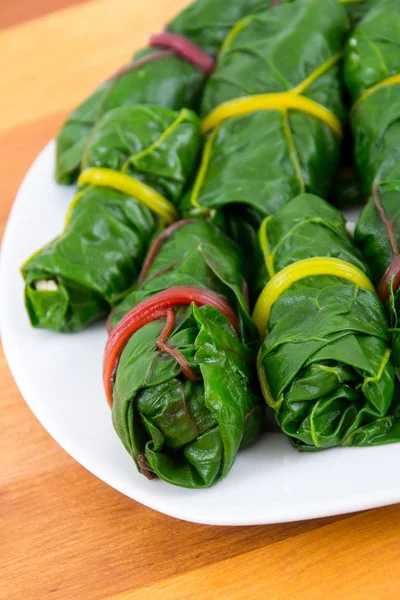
[60, 378]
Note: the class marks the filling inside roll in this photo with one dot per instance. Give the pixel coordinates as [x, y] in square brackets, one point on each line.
[137, 163]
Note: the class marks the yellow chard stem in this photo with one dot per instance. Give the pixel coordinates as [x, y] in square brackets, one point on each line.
[279, 101]
[263, 239]
[202, 172]
[321, 70]
[300, 270]
[393, 80]
[130, 186]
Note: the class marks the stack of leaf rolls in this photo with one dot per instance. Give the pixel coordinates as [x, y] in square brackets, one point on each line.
[201, 229]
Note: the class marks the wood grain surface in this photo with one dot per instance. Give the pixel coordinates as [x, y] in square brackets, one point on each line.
[63, 533]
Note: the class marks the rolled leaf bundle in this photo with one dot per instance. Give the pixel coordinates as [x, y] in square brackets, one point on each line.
[324, 365]
[273, 116]
[138, 160]
[346, 192]
[170, 73]
[372, 72]
[179, 366]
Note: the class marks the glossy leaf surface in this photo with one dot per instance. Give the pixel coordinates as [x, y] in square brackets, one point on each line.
[325, 362]
[267, 157]
[96, 259]
[168, 81]
[189, 432]
[372, 60]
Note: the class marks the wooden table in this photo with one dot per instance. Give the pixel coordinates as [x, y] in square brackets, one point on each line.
[65, 534]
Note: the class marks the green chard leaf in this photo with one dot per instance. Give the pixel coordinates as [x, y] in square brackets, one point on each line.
[266, 157]
[357, 9]
[188, 432]
[95, 261]
[166, 80]
[372, 74]
[325, 363]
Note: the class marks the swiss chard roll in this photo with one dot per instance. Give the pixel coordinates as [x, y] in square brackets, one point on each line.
[272, 117]
[325, 363]
[170, 72]
[179, 365]
[372, 73]
[137, 162]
